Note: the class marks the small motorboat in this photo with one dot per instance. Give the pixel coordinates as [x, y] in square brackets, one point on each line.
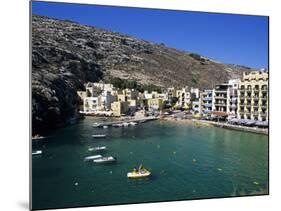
[96, 125]
[117, 125]
[140, 173]
[109, 159]
[133, 123]
[126, 124]
[37, 137]
[99, 136]
[37, 152]
[105, 126]
[97, 148]
[92, 157]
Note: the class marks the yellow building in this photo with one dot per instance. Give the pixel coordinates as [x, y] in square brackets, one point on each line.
[155, 103]
[119, 107]
[253, 96]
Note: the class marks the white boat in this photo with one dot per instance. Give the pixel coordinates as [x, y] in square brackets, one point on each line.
[140, 173]
[96, 125]
[93, 157]
[99, 136]
[133, 123]
[97, 148]
[105, 126]
[37, 137]
[117, 125]
[125, 124]
[109, 159]
[37, 152]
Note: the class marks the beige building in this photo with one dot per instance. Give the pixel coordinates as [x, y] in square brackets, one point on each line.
[171, 93]
[155, 103]
[127, 94]
[119, 107]
[253, 96]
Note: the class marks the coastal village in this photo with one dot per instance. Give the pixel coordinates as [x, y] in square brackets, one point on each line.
[237, 102]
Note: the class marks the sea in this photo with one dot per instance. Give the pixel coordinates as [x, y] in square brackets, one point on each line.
[187, 161]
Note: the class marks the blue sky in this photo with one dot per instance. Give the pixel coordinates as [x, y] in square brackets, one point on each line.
[232, 39]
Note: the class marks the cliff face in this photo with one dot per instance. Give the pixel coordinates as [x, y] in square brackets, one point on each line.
[65, 55]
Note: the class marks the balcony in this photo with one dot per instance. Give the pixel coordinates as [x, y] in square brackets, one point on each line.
[207, 105]
[263, 114]
[256, 90]
[256, 105]
[220, 97]
[220, 104]
[264, 106]
[207, 98]
[248, 106]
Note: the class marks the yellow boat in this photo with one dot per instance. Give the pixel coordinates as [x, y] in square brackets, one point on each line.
[140, 173]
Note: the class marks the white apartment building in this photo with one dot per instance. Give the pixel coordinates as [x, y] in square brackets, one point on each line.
[183, 96]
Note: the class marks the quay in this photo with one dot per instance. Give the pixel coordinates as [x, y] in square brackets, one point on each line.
[234, 127]
[136, 120]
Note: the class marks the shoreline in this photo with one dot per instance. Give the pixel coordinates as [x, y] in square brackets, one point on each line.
[206, 123]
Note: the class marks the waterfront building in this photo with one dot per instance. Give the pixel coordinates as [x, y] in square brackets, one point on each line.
[253, 96]
[98, 103]
[207, 100]
[196, 107]
[82, 95]
[154, 103]
[132, 105]
[171, 93]
[232, 97]
[90, 104]
[220, 97]
[194, 94]
[119, 107]
[106, 98]
[183, 96]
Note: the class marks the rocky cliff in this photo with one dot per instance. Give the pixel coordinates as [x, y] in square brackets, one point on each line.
[65, 55]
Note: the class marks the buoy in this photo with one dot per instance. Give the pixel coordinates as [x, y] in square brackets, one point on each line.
[219, 169]
[174, 153]
[76, 183]
[256, 183]
[110, 172]
[194, 160]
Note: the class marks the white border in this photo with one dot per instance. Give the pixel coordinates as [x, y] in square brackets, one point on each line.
[14, 106]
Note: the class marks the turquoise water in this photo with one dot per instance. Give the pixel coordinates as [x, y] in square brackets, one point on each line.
[187, 162]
